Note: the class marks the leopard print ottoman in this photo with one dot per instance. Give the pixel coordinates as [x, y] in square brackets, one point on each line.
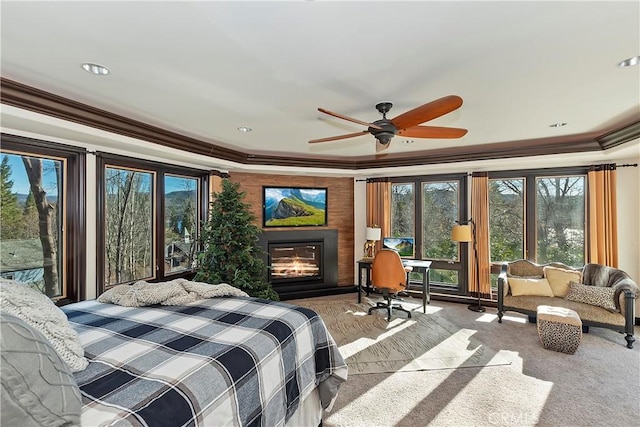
[559, 329]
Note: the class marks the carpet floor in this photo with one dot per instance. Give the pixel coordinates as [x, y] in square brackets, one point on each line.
[428, 341]
[506, 379]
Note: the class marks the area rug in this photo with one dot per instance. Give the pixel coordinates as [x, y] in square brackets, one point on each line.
[425, 342]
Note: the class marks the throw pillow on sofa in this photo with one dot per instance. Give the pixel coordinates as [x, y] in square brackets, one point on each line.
[593, 295]
[529, 286]
[559, 279]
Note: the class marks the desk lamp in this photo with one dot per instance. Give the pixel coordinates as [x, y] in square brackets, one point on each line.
[372, 235]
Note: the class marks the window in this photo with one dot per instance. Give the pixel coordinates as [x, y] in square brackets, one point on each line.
[506, 218]
[538, 215]
[440, 209]
[129, 245]
[402, 210]
[181, 221]
[149, 219]
[41, 234]
[560, 220]
[428, 215]
[534, 214]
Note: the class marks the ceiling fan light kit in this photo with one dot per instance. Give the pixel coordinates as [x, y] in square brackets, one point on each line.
[406, 124]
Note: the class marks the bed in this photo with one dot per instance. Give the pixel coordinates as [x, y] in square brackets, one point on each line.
[236, 361]
[178, 353]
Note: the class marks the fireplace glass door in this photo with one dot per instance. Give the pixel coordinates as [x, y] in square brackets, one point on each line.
[294, 262]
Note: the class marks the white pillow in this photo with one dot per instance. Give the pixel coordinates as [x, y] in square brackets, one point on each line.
[39, 311]
[521, 286]
[559, 279]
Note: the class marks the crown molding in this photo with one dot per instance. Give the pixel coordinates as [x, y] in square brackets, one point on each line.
[32, 99]
[619, 136]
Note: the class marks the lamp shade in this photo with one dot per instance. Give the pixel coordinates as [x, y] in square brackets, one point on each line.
[461, 233]
[372, 233]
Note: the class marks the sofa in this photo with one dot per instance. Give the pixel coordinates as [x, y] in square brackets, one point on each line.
[602, 296]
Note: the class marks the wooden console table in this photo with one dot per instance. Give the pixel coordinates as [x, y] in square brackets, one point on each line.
[419, 266]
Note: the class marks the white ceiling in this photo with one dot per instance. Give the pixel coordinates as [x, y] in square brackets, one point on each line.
[203, 69]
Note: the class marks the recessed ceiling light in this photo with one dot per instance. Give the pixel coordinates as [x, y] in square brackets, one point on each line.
[557, 125]
[629, 62]
[96, 69]
[244, 129]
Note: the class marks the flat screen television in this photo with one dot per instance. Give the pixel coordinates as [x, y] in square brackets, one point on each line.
[405, 246]
[294, 206]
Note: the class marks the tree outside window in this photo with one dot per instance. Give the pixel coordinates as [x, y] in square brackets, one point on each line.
[149, 221]
[440, 202]
[539, 215]
[30, 223]
[402, 210]
[506, 219]
[181, 222]
[560, 220]
[128, 225]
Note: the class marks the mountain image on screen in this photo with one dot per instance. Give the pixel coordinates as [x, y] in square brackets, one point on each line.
[288, 207]
[403, 245]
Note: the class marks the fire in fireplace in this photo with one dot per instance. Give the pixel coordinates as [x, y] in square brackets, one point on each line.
[295, 261]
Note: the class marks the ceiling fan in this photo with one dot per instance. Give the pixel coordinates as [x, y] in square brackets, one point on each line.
[405, 124]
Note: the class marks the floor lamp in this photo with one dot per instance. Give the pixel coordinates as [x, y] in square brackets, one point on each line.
[465, 231]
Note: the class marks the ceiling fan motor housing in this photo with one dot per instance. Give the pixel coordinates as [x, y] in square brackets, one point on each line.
[388, 131]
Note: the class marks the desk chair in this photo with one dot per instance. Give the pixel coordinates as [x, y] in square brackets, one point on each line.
[389, 275]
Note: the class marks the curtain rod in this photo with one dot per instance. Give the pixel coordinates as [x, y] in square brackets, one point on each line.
[625, 165]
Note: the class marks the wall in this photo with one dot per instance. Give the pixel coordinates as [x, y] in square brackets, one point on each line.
[340, 209]
[628, 196]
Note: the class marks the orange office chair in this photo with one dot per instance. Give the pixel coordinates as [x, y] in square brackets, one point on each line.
[390, 276]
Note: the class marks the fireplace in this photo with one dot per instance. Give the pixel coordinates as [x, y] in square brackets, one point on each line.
[295, 261]
[301, 260]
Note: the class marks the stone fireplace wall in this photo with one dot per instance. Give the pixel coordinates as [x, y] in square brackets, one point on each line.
[340, 208]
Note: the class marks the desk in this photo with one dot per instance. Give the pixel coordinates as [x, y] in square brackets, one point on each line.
[418, 266]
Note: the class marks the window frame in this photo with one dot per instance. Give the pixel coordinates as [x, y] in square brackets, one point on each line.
[463, 250]
[524, 215]
[198, 219]
[530, 200]
[158, 170]
[73, 263]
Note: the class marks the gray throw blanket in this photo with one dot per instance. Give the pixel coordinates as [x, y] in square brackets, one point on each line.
[174, 292]
[602, 275]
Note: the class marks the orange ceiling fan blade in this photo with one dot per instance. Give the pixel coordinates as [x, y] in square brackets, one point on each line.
[350, 119]
[335, 138]
[432, 132]
[428, 111]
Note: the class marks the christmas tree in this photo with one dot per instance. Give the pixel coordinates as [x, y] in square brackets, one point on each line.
[230, 245]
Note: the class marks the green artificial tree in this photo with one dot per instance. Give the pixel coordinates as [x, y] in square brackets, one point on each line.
[231, 253]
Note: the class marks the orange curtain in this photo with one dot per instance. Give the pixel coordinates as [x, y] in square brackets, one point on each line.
[602, 217]
[379, 206]
[480, 215]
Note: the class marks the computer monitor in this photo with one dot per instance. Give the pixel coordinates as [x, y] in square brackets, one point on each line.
[405, 246]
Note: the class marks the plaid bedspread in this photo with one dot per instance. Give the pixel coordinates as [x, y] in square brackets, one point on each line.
[222, 361]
